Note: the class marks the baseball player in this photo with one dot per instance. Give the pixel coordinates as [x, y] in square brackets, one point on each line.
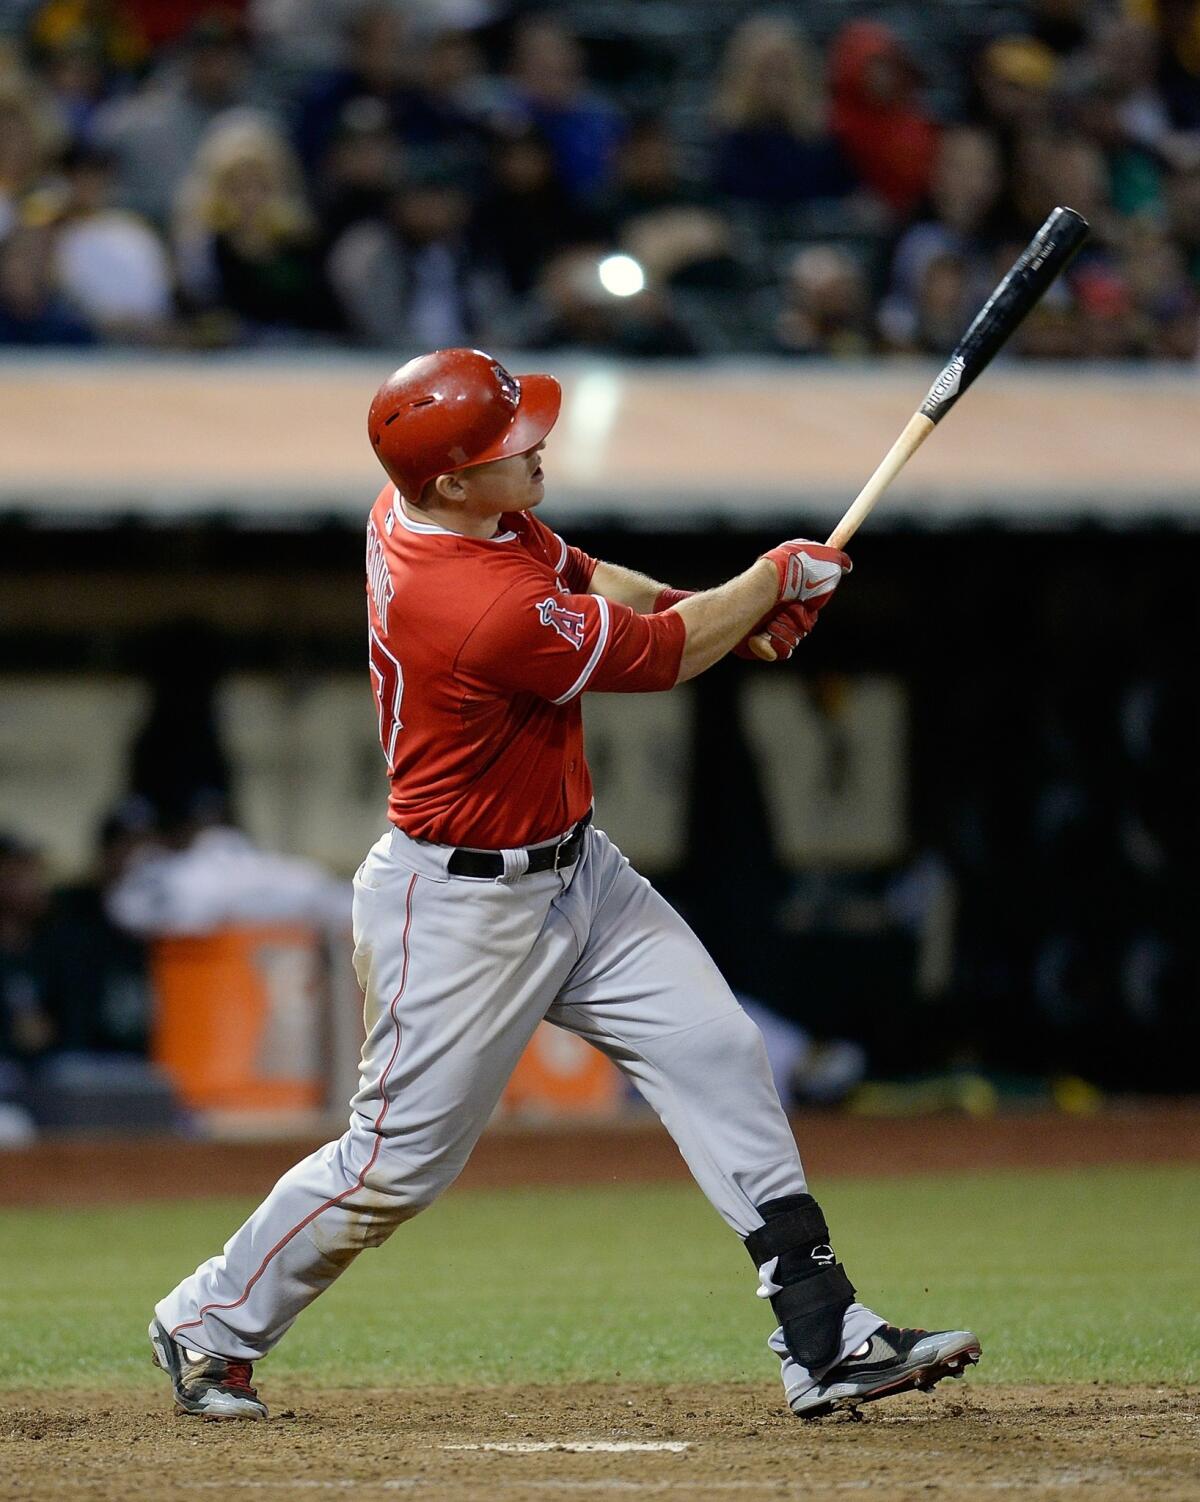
[494, 902]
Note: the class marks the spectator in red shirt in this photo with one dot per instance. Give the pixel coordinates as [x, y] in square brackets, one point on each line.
[877, 117]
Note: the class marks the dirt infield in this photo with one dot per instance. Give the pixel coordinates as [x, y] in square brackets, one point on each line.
[585, 1442]
[731, 1442]
[79, 1171]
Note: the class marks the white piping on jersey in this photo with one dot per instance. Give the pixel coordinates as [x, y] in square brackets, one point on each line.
[562, 557]
[597, 653]
[410, 525]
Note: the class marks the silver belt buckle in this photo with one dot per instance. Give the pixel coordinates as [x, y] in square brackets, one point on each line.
[565, 841]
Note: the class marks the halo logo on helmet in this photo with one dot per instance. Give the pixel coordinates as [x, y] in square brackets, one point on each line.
[510, 387]
[455, 408]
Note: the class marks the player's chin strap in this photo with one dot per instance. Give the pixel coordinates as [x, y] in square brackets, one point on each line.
[808, 1289]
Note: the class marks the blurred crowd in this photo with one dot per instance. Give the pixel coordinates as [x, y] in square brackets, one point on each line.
[288, 173]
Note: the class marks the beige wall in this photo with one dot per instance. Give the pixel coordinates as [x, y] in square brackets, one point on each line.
[308, 775]
[650, 442]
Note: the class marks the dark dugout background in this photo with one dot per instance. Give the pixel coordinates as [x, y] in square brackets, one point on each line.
[1053, 747]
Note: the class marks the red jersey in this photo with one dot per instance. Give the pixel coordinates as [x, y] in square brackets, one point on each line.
[480, 650]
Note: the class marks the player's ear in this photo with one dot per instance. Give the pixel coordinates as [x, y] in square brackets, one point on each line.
[450, 486]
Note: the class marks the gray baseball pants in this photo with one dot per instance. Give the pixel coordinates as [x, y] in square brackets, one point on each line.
[457, 973]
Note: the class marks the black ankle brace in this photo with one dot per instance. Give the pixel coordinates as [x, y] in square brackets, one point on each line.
[815, 1291]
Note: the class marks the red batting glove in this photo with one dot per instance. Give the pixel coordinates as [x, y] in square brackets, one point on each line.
[786, 627]
[809, 572]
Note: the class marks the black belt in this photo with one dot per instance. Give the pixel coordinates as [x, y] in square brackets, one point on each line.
[490, 863]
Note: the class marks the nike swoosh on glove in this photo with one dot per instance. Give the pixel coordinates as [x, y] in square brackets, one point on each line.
[809, 572]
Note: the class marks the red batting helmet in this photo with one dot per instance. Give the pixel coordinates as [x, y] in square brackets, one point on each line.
[455, 408]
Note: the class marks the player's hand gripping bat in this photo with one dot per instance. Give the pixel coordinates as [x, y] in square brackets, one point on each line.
[1027, 280]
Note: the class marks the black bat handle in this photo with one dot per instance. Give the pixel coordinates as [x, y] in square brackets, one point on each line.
[1029, 277]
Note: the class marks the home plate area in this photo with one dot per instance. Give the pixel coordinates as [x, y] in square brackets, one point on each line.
[596, 1440]
[580, 1447]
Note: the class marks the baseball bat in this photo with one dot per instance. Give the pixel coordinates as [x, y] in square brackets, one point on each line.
[1027, 280]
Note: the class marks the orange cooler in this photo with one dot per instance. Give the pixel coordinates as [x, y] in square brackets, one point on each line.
[238, 1017]
[560, 1075]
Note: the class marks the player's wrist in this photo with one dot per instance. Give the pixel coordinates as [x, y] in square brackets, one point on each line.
[771, 571]
[774, 566]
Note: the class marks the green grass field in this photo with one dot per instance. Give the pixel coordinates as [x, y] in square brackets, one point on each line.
[1079, 1276]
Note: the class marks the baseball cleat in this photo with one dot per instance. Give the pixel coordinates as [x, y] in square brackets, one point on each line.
[206, 1385]
[892, 1361]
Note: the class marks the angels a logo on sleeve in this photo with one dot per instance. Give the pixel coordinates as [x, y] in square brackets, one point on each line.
[568, 623]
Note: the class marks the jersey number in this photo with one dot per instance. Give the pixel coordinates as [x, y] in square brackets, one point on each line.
[387, 678]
